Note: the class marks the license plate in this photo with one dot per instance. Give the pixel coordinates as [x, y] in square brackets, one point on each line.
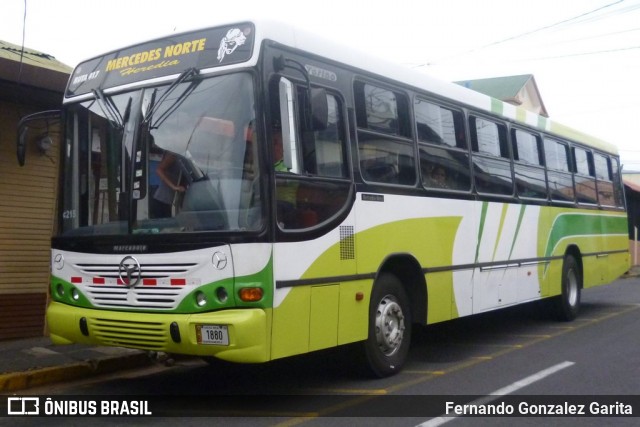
[212, 334]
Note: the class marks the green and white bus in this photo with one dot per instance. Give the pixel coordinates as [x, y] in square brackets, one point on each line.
[395, 200]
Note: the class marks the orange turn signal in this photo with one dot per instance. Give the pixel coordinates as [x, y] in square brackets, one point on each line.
[251, 294]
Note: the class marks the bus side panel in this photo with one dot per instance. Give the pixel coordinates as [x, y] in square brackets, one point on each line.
[354, 311]
[435, 233]
[323, 322]
[505, 232]
[324, 314]
[589, 232]
[291, 319]
[441, 299]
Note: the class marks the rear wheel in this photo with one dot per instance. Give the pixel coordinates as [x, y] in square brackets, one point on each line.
[567, 304]
[387, 345]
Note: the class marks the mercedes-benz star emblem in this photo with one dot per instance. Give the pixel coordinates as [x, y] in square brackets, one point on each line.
[129, 271]
[219, 260]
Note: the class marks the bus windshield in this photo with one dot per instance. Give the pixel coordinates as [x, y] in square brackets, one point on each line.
[167, 159]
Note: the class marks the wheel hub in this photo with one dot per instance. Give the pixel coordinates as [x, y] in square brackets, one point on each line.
[389, 325]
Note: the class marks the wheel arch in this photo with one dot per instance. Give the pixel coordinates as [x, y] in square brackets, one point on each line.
[408, 270]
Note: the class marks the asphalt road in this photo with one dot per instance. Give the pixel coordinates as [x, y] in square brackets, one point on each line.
[517, 355]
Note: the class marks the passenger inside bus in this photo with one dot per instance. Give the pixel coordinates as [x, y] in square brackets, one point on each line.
[170, 187]
[438, 177]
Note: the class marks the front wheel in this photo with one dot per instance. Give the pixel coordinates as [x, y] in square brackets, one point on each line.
[567, 304]
[387, 345]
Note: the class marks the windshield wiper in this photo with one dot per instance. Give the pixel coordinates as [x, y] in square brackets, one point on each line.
[108, 108]
[154, 105]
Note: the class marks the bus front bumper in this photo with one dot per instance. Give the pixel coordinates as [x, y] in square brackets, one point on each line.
[234, 335]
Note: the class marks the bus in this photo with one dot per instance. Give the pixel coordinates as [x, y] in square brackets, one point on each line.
[250, 192]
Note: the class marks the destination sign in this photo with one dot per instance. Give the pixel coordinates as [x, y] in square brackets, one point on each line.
[162, 57]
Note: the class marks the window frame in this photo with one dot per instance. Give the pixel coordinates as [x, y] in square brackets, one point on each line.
[504, 149]
[391, 173]
[459, 122]
[519, 164]
[609, 179]
[566, 172]
[590, 177]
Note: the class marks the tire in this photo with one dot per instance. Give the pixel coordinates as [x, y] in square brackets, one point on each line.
[387, 345]
[567, 305]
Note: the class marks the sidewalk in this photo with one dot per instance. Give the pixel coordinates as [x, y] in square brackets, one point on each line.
[633, 272]
[32, 362]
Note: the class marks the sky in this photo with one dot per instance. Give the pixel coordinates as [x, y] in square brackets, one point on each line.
[584, 55]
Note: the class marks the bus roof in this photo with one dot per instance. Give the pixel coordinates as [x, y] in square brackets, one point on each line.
[232, 44]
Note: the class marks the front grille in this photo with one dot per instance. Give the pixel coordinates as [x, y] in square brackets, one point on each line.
[148, 271]
[123, 333]
[156, 290]
[138, 297]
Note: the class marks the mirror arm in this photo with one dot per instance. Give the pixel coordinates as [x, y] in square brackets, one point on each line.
[279, 64]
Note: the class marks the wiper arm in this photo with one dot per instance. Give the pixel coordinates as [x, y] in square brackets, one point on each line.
[108, 108]
[153, 105]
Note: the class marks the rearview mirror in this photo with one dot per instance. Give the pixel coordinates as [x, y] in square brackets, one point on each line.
[40, 123]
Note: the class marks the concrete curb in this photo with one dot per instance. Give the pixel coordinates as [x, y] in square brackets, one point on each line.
[37, 377]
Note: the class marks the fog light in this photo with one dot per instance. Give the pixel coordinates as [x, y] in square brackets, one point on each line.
[201, 299]
[222, 295]
[251, 294]
[60, 290]
[75, 294]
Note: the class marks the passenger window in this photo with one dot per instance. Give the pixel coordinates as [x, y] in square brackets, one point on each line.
[444, 160]
[583, 162]
[617, 183]
[584, 177]
[386, 160]
[439, 125]
[386, 153]
[605, 180]
[603, 171]
[556, 155]
[491, 164]
[559, 175]
[382, 110]
[529, 172]
[330, 150]
[526, 147]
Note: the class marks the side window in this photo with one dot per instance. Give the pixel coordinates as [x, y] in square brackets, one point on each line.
[605, 180]
[528, 168]
[617, 183]
[491, 163]
[583, 162]
[311, 165]
[439, 125]
[584, 177]
[444, 159]
[559, 176]
[382, 110]
[385, 150]
[329, 151]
